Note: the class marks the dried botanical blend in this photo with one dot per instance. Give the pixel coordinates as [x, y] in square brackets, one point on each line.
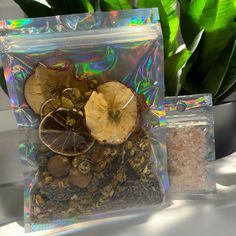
[89, 88]
[190, 144]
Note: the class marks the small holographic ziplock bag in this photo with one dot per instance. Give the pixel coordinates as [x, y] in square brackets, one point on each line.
[190, 145]
[89, 89]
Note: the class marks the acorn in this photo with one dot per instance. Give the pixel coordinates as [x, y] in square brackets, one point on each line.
[59, 166]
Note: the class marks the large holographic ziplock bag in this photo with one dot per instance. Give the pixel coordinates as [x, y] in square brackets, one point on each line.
[87, 90]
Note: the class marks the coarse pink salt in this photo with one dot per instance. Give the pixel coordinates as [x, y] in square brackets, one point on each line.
[187, 152]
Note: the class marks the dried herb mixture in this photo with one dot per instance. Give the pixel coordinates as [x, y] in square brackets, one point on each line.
[95, 155]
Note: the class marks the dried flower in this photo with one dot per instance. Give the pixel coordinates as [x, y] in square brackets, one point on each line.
[84, 167]
[72, 98]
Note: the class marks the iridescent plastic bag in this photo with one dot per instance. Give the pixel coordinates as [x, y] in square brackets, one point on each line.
[190, 145]
[89, 87]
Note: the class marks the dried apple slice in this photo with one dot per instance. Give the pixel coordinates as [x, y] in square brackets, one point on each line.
[64, 133]
[111, 112]
[46, 83]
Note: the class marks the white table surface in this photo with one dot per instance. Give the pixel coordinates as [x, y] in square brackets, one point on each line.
[216, 217]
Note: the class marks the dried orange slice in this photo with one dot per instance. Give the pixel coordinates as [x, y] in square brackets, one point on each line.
[111, 112]
[49, 106]
[64, 133]
[46, 83]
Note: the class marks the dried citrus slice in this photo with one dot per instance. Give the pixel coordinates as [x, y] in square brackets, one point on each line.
[111, 112]
[46, 83]
[49, 106]
[64, 133]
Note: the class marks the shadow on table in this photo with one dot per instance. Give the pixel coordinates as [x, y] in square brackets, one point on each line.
[12, 203]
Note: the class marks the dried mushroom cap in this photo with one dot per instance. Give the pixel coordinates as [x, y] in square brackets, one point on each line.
[46, 83]
[111, 112]
[64, 133]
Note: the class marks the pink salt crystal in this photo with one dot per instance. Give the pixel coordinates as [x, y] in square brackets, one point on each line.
[187, 151]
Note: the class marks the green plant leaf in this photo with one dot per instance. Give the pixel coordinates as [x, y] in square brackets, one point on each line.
[58, 6]
[225, 95]
[187, 23]
[196, 8]
[217, 18]
[108, 5]
[34, 9]
[88, 6]
[70, 7]
[80, 5]
[169, 22]
[213, 14]
[216, 74]
[184, 4]
[213, 45]
[176, 68]
[229, 79]
[173, 69]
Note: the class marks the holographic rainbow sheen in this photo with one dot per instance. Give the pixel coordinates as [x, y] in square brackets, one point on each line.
[138, 64]
[189, 102]
[136, 21]
[21, 23]
[84, 21]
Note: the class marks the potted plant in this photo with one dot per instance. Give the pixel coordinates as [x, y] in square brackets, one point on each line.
[204, 60]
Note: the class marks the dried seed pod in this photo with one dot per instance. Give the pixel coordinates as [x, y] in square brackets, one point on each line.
[79, 179]
[84, 167]
[46, 83]
[111, 113]
[59, 166]
[64, 133]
